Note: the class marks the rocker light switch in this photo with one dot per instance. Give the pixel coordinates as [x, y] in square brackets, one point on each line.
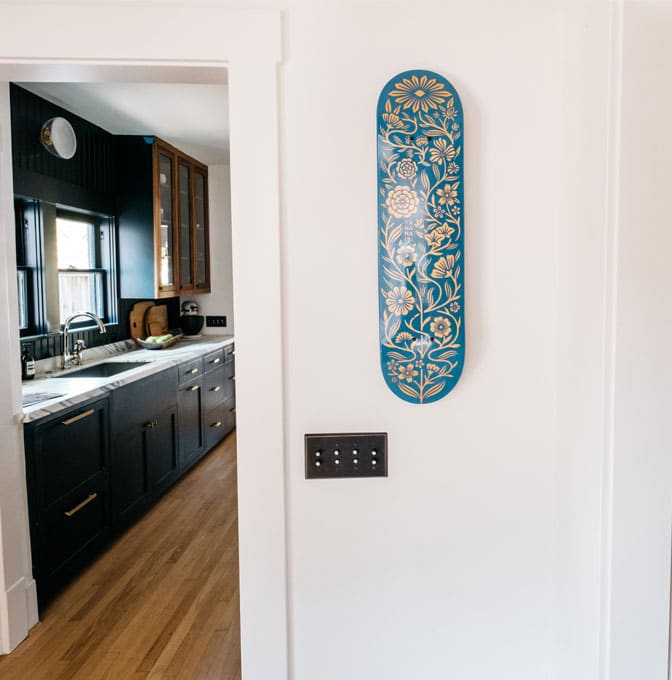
[362, 454]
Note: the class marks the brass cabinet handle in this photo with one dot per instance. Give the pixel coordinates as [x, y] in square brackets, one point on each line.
[233, 377]
[192, 371]
[232, 410]
[216, 389]
[216, 424]
[81, 416]
[151, 424]
[215, 361]
[194, 388]
[84, 503]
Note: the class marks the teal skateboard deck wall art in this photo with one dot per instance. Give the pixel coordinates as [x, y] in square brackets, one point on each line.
[420, 235]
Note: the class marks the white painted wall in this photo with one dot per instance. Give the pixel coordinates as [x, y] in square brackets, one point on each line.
[220, 299]
[479, 556]
[642, 464]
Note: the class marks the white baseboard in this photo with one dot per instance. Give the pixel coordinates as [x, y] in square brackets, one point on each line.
[21, 603]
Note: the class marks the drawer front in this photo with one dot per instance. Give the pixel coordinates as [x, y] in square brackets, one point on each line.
[219, 421]
[138, 402]
[213, 360]
[70, 450]
[229, 353]
[190, 370]
[215, 388]
[72, 525]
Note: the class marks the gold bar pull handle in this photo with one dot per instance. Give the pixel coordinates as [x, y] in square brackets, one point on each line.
[81, 416]
[216, 388]
[216, 424]
[215, 361]
[193, 371]
[83, 504]
[194, 388]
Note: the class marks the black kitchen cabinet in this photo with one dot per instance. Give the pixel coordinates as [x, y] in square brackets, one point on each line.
[145, 460]
[67, 466]
[190, 402]
[163, 220]
[93, 469]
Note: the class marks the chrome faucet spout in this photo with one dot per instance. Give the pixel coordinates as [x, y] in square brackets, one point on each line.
[76, 356]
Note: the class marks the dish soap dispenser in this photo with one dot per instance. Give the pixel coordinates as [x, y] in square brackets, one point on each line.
[27, 363]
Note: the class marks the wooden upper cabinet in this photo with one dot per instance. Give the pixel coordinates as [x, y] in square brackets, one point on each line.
[163, 220]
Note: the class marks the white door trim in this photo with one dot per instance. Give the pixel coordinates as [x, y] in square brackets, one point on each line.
[101, 42]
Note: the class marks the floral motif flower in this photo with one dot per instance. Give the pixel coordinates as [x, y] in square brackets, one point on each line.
[439, 212]
[452, 168]
[443, 268]
[422, 141]
[448, 195]
[432, 368]
[391, 116]
[454, 307]
[399, 300]
[406, 255]
[419, 93]
[440, 327]
[442, 151]
[402, 201]
[437, 235]
[406, 168]
[406, 372]
[403, 337]
[449, 111]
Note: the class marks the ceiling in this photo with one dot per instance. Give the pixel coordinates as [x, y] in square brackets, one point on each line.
[192, 117]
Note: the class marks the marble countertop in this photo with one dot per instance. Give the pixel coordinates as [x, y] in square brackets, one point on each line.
[69, 391]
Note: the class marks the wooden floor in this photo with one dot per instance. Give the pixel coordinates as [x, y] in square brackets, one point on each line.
[160, 603]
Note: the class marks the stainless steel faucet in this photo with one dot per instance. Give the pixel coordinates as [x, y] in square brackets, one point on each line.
[75, 358]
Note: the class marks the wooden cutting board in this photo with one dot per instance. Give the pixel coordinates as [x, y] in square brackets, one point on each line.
[136, 318]
[156, 320]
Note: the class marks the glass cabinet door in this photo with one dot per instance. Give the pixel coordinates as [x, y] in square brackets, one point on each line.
[184, 230]
[200, 229]
[166, 253]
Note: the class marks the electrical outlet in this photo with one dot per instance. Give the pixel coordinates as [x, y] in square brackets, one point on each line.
[219, 321]
[362, 454]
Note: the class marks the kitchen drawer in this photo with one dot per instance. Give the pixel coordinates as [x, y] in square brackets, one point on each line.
[229, 353]
[213, 360]
[139, 401]
[72, 524]
[69, 450]
[190, 370]
[219, 421]
[215, 391]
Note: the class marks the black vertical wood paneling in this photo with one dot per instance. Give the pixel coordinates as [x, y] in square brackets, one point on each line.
[86, 181]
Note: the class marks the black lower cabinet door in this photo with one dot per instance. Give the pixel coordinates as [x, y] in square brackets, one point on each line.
[190, 404]
[129, 475]
[163, 458]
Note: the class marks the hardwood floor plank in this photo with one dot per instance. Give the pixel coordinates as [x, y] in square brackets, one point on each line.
[161, 603]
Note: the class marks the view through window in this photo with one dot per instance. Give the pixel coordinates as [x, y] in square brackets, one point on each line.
[81, 282]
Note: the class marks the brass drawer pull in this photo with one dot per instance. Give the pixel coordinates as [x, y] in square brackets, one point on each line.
[215, 361]
[81, 416]
[83, 504]
[232, 410]
[216, 389]
[194, 388]
[216, 424]
[193, 371]
[151, 424]
[233, 377]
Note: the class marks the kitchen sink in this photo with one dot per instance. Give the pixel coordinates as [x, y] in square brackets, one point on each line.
[104, 370]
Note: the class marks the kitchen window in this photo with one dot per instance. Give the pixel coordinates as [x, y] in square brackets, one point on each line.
[66, 263]
[81, 279]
